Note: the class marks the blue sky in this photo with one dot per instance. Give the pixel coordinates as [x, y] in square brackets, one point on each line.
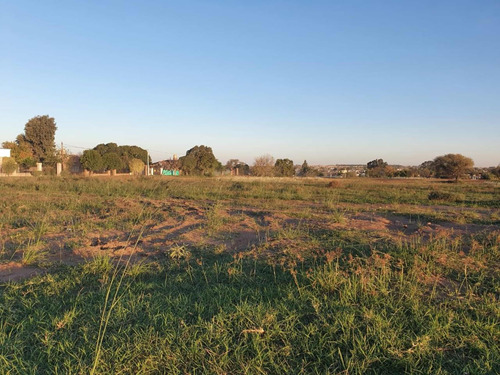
[326, 81]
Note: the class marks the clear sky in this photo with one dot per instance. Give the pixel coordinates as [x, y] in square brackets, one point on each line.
[327, 81]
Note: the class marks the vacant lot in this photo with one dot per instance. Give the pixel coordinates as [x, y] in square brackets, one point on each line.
[240, 275]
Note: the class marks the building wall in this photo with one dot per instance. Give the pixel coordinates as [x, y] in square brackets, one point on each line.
[4, 153]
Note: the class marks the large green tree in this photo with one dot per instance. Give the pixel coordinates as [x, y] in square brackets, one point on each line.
[110, 151]
[378, 168]
[92, 160]
[377, 163]
[284, 168]
[426, 169]
[39, 133]
[452, 166]
[111, 160]
[199, 160]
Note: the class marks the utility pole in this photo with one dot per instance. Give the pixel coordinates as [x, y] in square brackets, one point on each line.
[147, 160]
[62, 156]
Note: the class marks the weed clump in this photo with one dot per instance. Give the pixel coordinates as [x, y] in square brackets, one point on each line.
[444, 196]
[237, 186]
[333, 184]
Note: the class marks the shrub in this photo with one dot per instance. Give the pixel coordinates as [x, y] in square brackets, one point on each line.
[136, 166]
[333, 184]
[9, 165]
[444, 196]
[237, 186]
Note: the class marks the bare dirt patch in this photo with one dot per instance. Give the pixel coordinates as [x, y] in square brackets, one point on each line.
[180, 222]
[14, 271]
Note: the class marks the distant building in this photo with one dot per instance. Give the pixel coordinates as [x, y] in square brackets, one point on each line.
[169, 167]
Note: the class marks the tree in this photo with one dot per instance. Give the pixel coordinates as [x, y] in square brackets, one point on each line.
[378, 168]
[130, 152]
[9, 165]
[103, 148]
[91, 160]
[284, 168]
[496, 171]
[304, 169]
[40, 132]
[136, 166]
[377, 163]
[426, 169]
[199, 160]
[21, 151]
[111, 161]
[125, 155]
[452, 165]
[263, 166]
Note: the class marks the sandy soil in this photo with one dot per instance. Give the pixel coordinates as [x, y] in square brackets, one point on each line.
[237, 229]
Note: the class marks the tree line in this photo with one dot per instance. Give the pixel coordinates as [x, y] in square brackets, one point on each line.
[451, 166]
[111, 157]
[37, 144]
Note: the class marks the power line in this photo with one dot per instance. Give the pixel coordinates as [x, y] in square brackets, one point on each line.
[82, 148]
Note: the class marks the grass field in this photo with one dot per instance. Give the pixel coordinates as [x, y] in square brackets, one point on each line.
[246, 275]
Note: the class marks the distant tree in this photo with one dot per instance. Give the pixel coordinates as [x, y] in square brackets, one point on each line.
[284, 168]
[105, 148]
[199, 160]
[91, 160]
[188, 164]
[305, 170]
[452, 166]
[426, 169]
[219, 167]
[39, 133]
[495, 171]
[9, 165]
[21, 151]
[131, 152]
[125, 154]
[406, 172]
[111, 161]
[263, 166]
[378, 168]
[136, 166]
[377, 163]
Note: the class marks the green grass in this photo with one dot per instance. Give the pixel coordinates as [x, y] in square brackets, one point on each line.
[311, 295]
[236, 315]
